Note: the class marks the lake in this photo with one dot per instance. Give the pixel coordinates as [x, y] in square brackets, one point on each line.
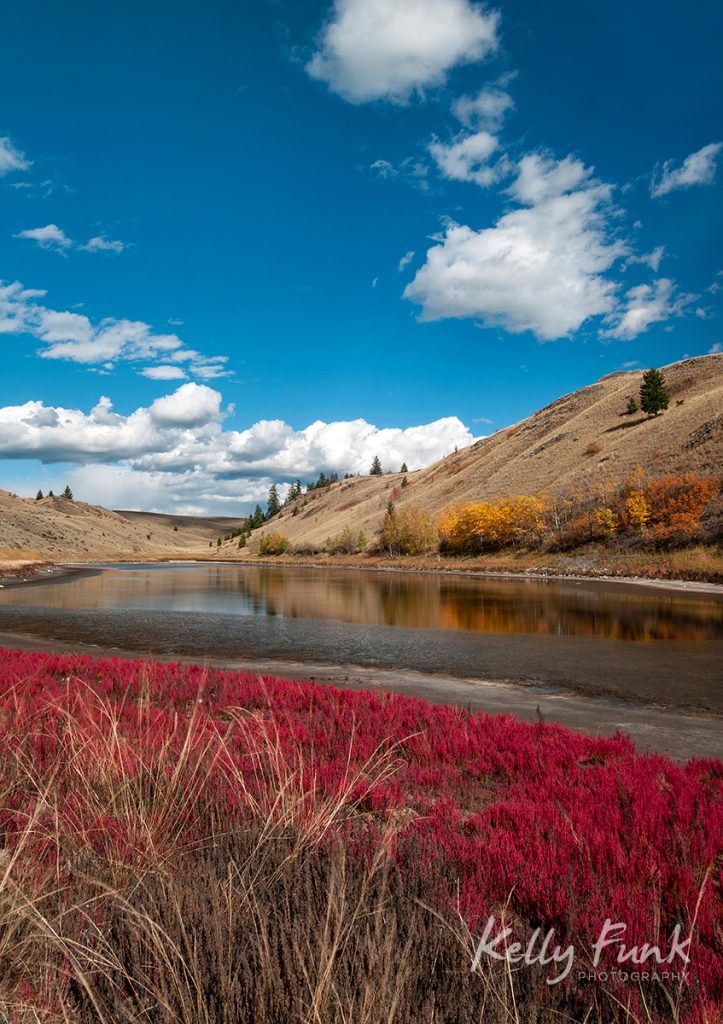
[643, 644]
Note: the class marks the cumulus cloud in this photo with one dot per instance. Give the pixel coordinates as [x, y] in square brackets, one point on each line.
[54, 238]
[467, 159]
[192, 405]
[487, 109]
[11, 158]
[389, 49]
[697, 169]
[541, 177]
[647, 304]
[541, 268]
[178, 453]
[48, 237]
[74, 337]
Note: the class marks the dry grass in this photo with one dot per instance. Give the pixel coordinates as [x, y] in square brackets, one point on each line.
[582, 440]
[178, 915]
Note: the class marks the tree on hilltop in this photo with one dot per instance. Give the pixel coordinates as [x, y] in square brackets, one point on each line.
[38, 496]
[67, 493]
[653, 393]
[376, 469]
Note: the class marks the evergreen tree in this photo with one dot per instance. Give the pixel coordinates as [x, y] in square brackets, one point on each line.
[376, 469]
[274, 504]
[38, 496]
[653, 394]
[67, 493]
[404, 468]
[258, 518]
[632, 406]
[50, 494]
[294, 492]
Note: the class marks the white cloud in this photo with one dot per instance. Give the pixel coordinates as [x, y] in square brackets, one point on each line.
[164, 373]
[11, 158]
[102, 244]
[389, 49]
[192, 405]
[48, 237]
[405, 260]
[697, 169]
[650, 259]
[540, 269]
[177, 453]
[715, 349]
[541, 177]
[487, 109]
[75, 338]
[645, 305]
[466, 159]
[53, 237]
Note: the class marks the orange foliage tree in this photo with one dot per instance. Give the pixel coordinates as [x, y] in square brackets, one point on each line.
[492, 524]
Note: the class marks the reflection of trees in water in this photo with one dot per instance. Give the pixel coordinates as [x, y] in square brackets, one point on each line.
[418, 601]
[480, 605]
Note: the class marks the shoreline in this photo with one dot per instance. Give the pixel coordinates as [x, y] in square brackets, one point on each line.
[679, 733]
[51, 572]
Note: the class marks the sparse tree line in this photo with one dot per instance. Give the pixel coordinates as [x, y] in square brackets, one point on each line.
[275, 507]
[67, 493]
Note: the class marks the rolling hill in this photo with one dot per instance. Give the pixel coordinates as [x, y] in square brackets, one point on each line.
[582, 440]
[58, 529]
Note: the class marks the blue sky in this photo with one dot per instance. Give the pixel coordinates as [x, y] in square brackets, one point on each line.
[279, 237]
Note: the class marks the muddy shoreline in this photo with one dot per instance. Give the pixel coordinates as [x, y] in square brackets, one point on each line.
[675, 732]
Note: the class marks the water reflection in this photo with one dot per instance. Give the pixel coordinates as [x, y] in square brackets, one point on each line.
[563, 608]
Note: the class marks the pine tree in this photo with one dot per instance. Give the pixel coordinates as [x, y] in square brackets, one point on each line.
[632, 406]
[404, 468]
[50, 494]
[38, 496]
[653, 394]
[67, 493]
[376, 469]
[258, 518]
[274, 505]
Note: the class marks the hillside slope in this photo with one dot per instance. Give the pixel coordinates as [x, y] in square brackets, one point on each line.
[57, 529]
[581, 441]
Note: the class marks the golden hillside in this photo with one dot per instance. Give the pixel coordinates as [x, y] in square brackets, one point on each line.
[582, 441]
[58, 529]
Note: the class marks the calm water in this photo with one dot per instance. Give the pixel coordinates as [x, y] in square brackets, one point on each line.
[641, 643]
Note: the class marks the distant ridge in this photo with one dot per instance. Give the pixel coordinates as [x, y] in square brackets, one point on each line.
[58, 529]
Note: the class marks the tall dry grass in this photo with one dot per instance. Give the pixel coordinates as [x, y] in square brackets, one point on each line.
[170, 878]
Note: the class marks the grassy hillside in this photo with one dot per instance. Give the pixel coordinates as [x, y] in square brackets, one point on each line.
[582, 441]
[59, 529]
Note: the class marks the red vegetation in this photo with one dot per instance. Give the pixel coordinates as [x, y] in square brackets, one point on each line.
[562, 829]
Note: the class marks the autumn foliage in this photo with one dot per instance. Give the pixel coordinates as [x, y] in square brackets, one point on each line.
[148, 808]
[664, 511]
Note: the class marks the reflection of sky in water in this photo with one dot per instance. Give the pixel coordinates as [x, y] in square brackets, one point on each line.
[565, 608]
